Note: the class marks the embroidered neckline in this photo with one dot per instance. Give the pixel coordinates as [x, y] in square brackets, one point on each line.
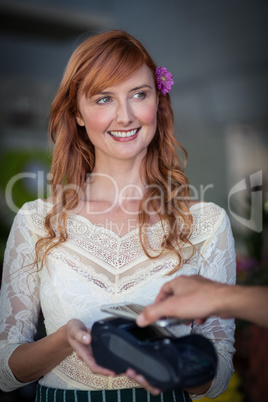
[161, 224]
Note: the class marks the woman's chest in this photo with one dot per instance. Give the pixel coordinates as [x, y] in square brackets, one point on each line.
[120, 217]
[97, 258]
[71, 289]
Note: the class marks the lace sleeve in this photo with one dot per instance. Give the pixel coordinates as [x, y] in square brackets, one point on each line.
[19, 297]
[219, 264]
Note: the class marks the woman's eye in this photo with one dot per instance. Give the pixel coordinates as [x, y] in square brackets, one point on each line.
[140, 95]
[106, 99]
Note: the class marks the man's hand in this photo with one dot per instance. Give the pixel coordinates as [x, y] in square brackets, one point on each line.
[186, 297]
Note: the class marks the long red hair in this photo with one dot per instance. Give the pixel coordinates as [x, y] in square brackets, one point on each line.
[102, 61]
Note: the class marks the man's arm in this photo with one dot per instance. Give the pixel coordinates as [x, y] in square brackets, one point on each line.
[197, 298]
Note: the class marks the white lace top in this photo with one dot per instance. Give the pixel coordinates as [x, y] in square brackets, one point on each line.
[93, 267]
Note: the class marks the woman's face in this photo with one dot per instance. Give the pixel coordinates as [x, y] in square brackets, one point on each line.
[121, 120]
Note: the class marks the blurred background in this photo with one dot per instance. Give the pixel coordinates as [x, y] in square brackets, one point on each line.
[217, 53]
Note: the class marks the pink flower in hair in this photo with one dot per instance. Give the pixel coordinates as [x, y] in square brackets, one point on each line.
[163, 80]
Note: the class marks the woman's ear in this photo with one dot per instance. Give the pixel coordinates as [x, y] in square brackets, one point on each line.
[79, 120]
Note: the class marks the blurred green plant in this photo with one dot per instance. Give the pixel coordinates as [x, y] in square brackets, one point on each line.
[23, 178]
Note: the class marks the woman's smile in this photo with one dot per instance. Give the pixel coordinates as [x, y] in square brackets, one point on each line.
[124, 135]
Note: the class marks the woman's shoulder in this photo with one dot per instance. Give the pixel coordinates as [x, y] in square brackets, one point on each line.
[205, 207]
[36, 206]
[32, 214]
[207, 217]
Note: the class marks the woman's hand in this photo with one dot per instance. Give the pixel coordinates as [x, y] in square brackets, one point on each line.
[141, 380]
[202, 389]
[79, 338]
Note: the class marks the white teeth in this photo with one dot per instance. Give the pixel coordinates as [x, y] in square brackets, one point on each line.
[123, 134]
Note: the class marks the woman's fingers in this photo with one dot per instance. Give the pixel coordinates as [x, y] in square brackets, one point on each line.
[80, 339]
[142, 381]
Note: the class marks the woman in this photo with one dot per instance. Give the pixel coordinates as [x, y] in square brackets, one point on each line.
[118, 226]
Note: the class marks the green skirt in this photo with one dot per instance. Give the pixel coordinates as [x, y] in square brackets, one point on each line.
[44, 394]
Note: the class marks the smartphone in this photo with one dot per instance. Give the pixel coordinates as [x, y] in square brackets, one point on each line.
[131, 312]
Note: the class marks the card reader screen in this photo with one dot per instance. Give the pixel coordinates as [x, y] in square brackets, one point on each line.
[137, 359]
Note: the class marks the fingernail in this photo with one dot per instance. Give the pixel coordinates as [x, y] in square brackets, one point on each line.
[85, 338]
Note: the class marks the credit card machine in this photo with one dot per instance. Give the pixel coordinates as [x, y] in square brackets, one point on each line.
[164, 360]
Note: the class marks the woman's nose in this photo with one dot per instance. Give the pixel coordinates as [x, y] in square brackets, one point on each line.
[124, 114]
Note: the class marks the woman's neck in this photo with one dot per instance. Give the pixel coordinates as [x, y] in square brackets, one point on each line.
[117, 181]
